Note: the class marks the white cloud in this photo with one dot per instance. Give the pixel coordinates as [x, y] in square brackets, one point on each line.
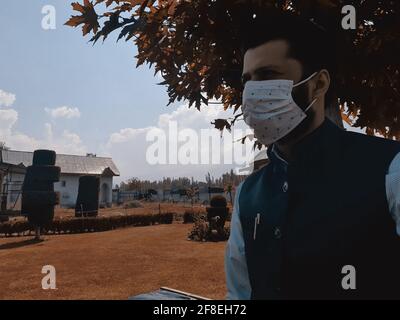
[61, 142]
[8, 117]
[13, 139]
[70, 143]
[128, 146]
[66, 142]
[6, 99]
[63, 112]
[125, 135]
[192, 118]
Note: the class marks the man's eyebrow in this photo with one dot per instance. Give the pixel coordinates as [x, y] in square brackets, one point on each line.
[261, 70]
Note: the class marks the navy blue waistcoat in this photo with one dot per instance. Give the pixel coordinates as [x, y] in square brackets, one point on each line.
[325, 210]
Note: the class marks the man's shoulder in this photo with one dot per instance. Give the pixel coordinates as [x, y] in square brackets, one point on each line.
[369, 151]
[360, 142]
[255, 176]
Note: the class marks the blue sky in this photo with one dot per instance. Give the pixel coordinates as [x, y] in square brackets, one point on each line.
[113, 104]
[59, 67]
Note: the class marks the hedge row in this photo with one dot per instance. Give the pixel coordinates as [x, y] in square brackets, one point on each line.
[80, 225]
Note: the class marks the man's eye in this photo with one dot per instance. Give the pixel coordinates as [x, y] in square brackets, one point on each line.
[267, 75]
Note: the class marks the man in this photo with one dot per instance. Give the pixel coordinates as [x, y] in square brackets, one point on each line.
[319, 221]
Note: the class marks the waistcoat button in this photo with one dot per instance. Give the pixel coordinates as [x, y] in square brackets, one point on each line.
[285, 187]
[277, 233]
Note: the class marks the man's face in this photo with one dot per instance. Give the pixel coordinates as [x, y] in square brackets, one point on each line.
[271, 61]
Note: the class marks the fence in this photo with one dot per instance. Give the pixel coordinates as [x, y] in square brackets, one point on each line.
[10, 197]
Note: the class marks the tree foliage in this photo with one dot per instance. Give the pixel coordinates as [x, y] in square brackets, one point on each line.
[194, 44]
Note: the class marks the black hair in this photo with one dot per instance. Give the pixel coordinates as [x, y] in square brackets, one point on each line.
[309, 43]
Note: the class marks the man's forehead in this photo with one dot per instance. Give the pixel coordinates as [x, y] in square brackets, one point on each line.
[271, 53]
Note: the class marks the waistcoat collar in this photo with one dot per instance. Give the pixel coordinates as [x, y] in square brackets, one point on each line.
[310, 147]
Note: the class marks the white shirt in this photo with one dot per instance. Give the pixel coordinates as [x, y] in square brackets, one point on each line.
[237, 277]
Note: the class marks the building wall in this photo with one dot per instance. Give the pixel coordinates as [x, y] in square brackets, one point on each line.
[106, 192]
[68, 189]
[67, 186]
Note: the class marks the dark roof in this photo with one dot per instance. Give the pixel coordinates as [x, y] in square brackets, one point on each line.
[70, 164]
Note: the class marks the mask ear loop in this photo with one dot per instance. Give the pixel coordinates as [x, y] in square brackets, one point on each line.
[311, 104]
[305, 80]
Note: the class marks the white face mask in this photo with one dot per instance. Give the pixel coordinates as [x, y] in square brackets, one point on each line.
[268, 108]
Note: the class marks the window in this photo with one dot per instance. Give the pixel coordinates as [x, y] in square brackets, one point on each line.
[63, 183]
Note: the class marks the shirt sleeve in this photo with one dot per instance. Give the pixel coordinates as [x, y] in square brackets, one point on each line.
[393, 190]
[237, 277]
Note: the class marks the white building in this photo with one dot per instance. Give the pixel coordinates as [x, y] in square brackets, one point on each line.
[13, 166]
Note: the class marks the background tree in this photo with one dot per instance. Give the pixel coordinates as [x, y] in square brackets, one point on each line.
[228, 189]
[195, 45]
[3, 146]
[192, 193]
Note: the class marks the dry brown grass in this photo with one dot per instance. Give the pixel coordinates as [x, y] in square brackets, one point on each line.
[148, 207]
[113, 265]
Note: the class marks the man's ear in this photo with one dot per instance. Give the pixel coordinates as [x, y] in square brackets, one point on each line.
[322, 82]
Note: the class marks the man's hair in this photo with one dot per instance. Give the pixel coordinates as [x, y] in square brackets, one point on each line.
[309, 43]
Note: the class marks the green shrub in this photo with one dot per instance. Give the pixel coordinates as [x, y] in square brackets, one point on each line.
[202, 231]
[133, 204]
[166, 218]
[89, 224]
[218, 201]
[192, 216]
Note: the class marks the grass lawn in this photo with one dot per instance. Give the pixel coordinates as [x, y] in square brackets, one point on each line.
[112, 265]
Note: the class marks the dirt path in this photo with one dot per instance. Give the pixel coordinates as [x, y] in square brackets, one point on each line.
[112, 265]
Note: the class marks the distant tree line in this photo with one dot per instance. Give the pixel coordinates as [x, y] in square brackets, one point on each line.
[226, 181]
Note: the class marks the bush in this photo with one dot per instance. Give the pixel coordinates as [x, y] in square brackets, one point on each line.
[133, 204]
[191, 216]
[202, 231]
[165, 218]
[10, 228]
[218, 201]
[90, 224]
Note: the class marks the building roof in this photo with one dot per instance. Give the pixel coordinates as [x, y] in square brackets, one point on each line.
[69, 164]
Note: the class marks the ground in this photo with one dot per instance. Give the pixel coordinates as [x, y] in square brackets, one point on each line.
[112, 265]
[148, 207]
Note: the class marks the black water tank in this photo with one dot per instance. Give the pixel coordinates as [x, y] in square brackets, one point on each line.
[87, 203]
[38, 196]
